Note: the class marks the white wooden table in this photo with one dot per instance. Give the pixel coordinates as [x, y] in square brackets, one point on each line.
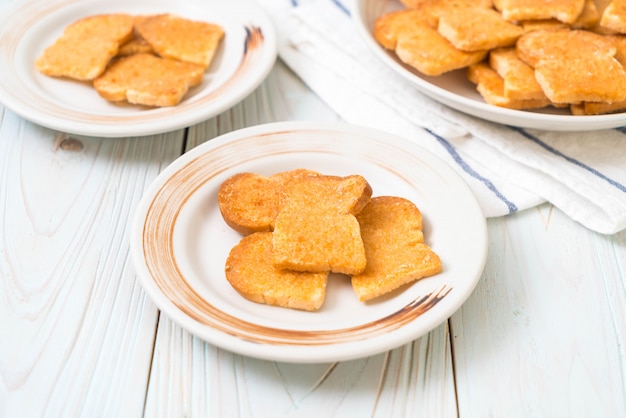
[543, 335]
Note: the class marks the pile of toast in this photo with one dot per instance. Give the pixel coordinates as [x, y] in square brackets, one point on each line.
[520, 54]
[148, 60]
[299, 226]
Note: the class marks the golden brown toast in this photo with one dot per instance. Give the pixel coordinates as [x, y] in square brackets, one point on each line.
[391, 228]
[136, 45]
[491, 87]
[251, 273]
[564, 10]
[477, 29]
[86, 47]
[574, 66]
[561, 44]
[614, 16]
[418, 44]
[316, 230]
[518, 77]
[619, 41]
[599, 78]
[182, 39]
[148, 80]
[589, 17]
[248, 202]
[597, 108]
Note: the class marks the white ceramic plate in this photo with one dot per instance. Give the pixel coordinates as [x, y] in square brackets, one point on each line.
[245, 57]
[454, 90]
[179, 244]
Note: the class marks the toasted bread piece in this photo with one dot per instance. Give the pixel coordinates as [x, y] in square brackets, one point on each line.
[86, 47]
[531, 25]
[614, 16]
[619, 41]
[251, 273]
[389, 26]
[491, 87]
[564, 10]
[316, 229]
[589, 17]
[182, 39]
[391, 228]
[413, 4]
[419, 45]
[148, 80]
[597, 108]
[561, 44]
[518, 77]
[597, 78]
[477, 29]
[136, 45]
[248, 202]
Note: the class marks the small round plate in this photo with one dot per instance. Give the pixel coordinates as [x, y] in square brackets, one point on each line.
[243, 60]
[180, 242]
[454, 90]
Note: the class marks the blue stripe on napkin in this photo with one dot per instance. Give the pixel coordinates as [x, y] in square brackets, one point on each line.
[472, 172]
[571, 160]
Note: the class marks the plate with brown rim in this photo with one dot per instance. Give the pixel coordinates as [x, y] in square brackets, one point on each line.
[244, 58]
[179, 243]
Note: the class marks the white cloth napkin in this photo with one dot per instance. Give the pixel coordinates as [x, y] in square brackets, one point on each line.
[509, 169]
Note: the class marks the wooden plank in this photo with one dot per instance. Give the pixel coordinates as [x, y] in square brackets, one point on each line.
[76, 331]
[543, 334]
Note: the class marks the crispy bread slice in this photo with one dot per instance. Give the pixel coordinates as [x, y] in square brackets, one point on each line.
[598, 78]
[418, 44]
[391, 228]
[614, 16]
[414, 4]
[564, 10]
[543, 24]
[491, 87]
[251, 273]
[136, 45]
[518, 77]
[316, 229]
[181, 39]
[597, 108]
[561, 44]
[148, 80]
[589, 17]
[248, 202]
[86, 47]
[477, 29]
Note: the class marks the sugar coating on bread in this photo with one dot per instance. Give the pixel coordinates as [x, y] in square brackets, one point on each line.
[248, 202]
[316, 230]
[518, 77]
[418, 44]
[391, 228]
[86, 46]
[251, 273]
[148, 80]
[180, 38]
[564, 10]
[478, 29]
